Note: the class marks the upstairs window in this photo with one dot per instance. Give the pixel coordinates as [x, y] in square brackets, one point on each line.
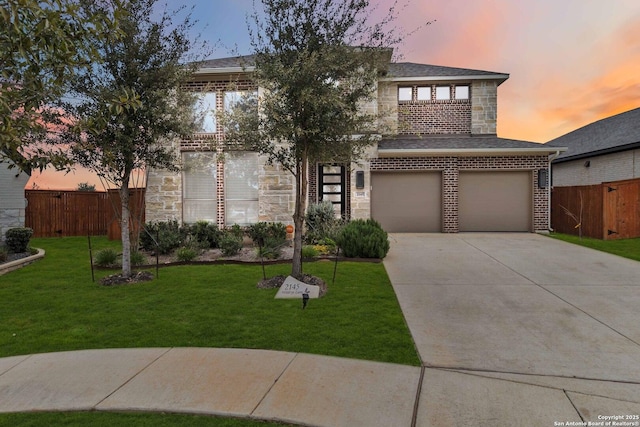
[405, 94]
[424, 93]
[462, 92]
[205, 112]
[443, 93]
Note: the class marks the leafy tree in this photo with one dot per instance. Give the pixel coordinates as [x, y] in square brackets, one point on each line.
[85, 186]
[129, 107]
[317, 61]
[42, 42]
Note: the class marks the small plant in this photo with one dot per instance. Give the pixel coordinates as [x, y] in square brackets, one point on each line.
[137, 258]
[320, 221]
[237, 231]
[364, 239]
[309, 251]
[3, 254]
[270, 237]
[17, 239]
[230, 243]
[186, 254]
[106, 257]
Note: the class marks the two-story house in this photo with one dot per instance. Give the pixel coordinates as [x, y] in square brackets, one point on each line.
[438, 167]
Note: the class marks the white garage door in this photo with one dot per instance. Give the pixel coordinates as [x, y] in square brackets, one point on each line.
[407, 201]
[495, 201]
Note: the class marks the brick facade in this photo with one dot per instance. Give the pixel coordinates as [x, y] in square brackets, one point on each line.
[451, 166]
[451, 116]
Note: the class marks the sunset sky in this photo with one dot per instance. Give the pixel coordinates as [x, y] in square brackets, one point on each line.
[571, 62]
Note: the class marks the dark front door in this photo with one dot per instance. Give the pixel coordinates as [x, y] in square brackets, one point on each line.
[331, 187]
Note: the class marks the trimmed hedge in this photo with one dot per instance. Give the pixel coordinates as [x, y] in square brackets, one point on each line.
[17, 239]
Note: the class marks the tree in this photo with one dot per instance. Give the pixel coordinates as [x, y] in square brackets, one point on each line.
[317, 61]
[42, 42]
[130, 105]
[85, 186]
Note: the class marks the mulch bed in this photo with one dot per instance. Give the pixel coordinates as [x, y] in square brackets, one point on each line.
[118, 279]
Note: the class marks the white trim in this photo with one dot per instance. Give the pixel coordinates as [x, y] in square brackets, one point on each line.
[226, 70]
[417, 152]
[444, 78]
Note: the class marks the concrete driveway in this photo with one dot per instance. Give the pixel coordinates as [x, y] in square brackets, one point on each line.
[519, 329]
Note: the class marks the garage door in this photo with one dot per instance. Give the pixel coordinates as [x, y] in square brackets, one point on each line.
[495, 201]
[407, 201]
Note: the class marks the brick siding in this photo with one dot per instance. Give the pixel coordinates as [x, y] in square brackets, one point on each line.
[451, 166]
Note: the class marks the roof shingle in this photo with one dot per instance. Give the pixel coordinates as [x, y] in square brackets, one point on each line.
[615, 133]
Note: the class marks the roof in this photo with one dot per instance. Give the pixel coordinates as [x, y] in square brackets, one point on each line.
[397, 70]
[613, 134]
[412, 145]
[408, 70]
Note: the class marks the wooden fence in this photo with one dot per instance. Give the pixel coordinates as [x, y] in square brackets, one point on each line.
[79, 213]
[608, 211]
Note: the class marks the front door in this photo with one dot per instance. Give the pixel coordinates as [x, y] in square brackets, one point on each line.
[331, 187]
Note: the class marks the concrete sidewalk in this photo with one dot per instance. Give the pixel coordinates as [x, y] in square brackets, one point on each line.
[269, 385]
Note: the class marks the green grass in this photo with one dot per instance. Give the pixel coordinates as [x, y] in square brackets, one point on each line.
[628, 248]
[52, 305]
[108, 419]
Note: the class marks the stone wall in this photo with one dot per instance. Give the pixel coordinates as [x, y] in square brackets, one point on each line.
[484, 107]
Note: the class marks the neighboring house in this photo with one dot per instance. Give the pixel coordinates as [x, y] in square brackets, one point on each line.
[438, 167]
[603, 151]
[597, 179]
[12, 200]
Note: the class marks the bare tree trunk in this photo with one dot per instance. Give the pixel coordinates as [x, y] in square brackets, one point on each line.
[124, 226]
[298, 217]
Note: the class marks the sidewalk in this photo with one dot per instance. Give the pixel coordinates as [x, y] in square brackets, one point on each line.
[269, 385]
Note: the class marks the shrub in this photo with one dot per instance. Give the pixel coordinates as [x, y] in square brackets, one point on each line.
[137, 258]
[320, 221]
[17, 239]
[106, 257]
[230, 243]
[186, 254]
[206, 234]
[3, 254]
[309, 251]
[269, 236]
[169, 234]
[364, 239]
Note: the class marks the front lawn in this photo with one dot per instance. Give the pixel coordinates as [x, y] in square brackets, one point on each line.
[52, 305]
[628, 248]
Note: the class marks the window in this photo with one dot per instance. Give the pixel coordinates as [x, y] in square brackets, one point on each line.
[205, 110]
[241, 187]
[199, 201]
[405, 94]
[424, 93]
[442, 92]
[462, 92]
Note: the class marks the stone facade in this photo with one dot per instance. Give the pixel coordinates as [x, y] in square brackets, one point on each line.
[484, 107]
[604, 168]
